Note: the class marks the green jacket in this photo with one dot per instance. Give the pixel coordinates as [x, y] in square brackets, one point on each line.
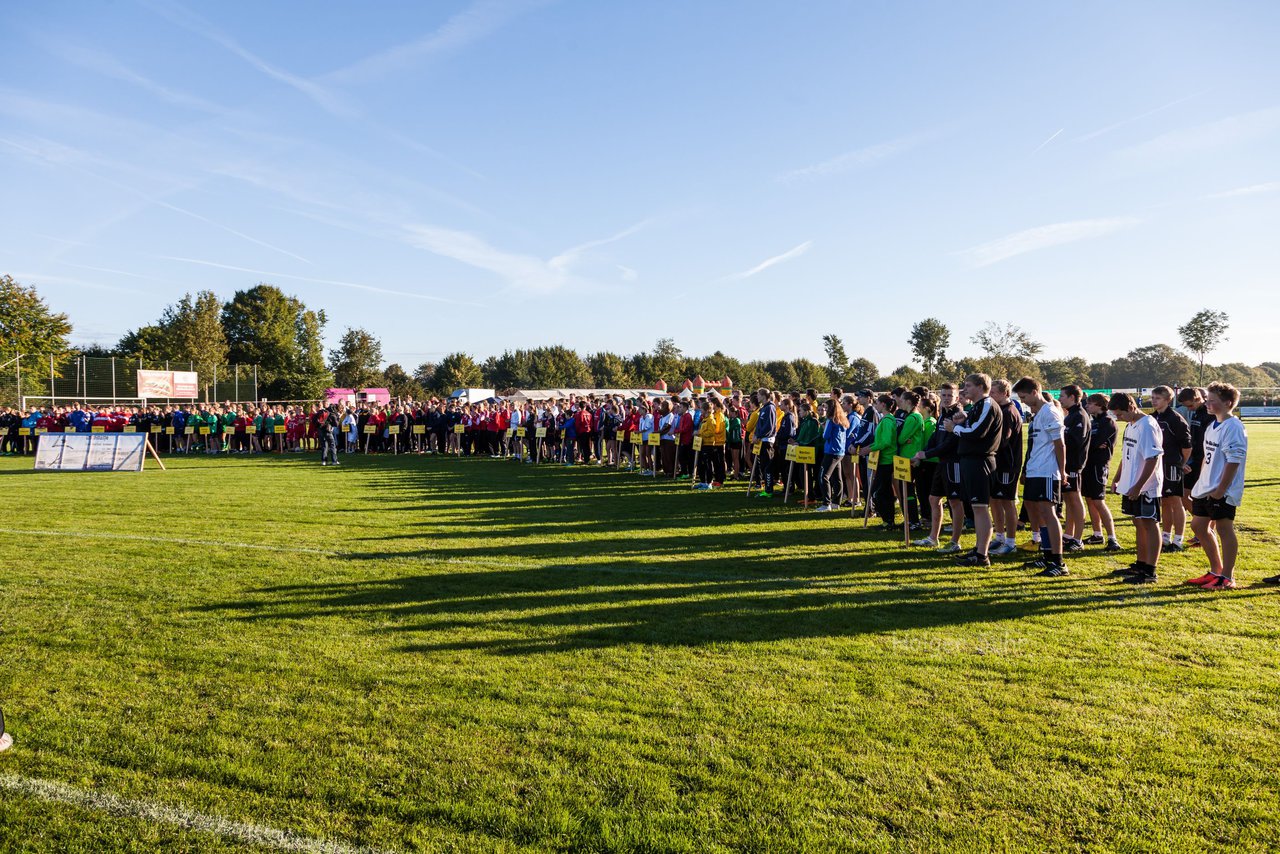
[885, 439]
[809, 433]
[930, 427]
[911, 437]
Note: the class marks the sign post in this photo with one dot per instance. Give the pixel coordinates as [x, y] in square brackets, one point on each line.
[873, 463]
[902, 476]
[697, 449]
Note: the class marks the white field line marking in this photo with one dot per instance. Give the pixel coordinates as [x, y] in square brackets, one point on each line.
[254, 834]
[102, 535]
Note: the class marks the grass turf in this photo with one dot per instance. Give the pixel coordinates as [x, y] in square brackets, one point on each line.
[438, 654]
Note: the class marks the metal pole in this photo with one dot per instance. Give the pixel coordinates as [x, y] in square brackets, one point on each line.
[215, 386]
[52, 399]
[19, 379]
[237, 384]
[255, 382]
[113, 380]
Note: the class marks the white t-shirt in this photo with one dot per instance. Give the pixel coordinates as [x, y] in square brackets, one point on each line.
[1046, 428]
[670, 422]
[1142, 441]
[1224, 442]
[646, 426]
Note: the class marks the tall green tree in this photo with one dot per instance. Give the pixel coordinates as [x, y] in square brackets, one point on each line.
[280, 335]
[192, 332]
[837, 358]
[146, 343]
[929, 340]
[1155, 364]
[357, 361]
[863, 373]
[27, 325]
[1203, 333]
[400, 384]
[457, 370]
[609, 370]
[1006, 340]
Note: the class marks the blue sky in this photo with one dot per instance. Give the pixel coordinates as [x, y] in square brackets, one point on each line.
[739, 176]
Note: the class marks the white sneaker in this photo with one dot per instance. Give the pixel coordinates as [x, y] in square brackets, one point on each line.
[823, 508]
[949, 548]
[928, 542]
[1003, 549]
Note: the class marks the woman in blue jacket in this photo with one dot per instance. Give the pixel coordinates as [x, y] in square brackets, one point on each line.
[834, 439]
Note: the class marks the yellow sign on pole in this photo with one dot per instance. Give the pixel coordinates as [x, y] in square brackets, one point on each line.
[370, 429]
[510, 432]
[24, 431]
[755, 448]
[655, 439]
[697, 443]
[130, 428]
[540, 433]
[279, 428]
[419, 429]
[806, 455]
[521, 432]
[168, 430]
[97, 428]
[622, 436]
[189, 431]
[393, 429]
[873, 459]
[902, 469]
[637, 439]
[790, 455]
[459, 429]
[156, 428]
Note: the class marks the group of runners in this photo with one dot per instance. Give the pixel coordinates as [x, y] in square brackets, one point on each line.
[965, 445]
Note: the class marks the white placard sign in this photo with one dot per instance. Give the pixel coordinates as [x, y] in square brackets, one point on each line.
[91, 452]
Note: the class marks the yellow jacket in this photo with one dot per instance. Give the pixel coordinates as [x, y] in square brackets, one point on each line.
[712, 429]
[749, 429]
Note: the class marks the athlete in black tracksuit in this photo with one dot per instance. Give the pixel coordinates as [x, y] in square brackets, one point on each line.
[978, 439]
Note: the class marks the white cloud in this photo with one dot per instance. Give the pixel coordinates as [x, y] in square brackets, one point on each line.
[568, 257]
[108, 66]
[628, 274]
[1211, 136]
[1117, 125]
[1042, 237]
[353, 285]
[856, 159]
[471, 24]
[1251, 190]
[1049, 140]
[794, 252]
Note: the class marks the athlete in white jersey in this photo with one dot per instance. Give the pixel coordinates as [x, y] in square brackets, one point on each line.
[1139, 481]
[1219, 489]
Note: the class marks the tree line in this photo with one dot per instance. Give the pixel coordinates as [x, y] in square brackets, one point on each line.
[263, 326]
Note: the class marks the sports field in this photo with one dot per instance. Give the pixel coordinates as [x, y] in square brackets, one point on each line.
[435, 654]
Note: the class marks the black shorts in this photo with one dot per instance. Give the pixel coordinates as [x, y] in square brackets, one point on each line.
[1004, 486]
[975, 479]
[1093, 482]
[938, 485]
[1048, 489]
[1141, 507]
[1189, 479]
[1172, 482]
[1072, 483]
[1212, 508]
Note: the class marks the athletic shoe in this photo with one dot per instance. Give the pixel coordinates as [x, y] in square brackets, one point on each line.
[1094, 540]
[1003, 549]
[683, 477]
[1072, 546]
[1029, 546]
[1054, 570]
[1038, 563]
[1220, 583]
[949, 549]
[1201, 580]
[1173, 547]
[928, 542]
[946, 529]
[1144, 577]
[1193, 543]
[1131, 569]
[974, 559]
[323, 463]
[702, 486]
[823, 508]
[717, 484]
[1272, 580]
[1113, 545]
[763, 494]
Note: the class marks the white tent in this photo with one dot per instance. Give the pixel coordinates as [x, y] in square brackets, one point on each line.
[532, 394]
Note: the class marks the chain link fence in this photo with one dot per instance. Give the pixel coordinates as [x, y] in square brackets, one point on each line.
[71, 378]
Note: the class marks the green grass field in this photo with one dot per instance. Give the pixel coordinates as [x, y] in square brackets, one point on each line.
[426, 654]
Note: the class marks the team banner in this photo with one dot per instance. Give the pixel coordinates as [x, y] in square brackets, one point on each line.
[91, 452]
[168, 384]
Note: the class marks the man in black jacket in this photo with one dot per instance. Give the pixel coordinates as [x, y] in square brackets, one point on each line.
[328, 428]
[1076, 426]
[1176, 434]
[977, 439]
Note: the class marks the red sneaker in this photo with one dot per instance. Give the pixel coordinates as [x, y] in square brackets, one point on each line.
[1220, 583]
[1202, 580]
